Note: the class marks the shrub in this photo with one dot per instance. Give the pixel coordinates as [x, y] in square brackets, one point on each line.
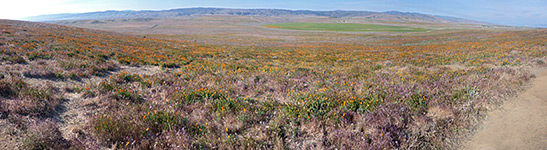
[129, 96]
[42, 73]
[129, 129]
[170, 65]
[118, 129]
[6, 89]
[44, 135]
[36, 102]
[124, 77]
[37, 55]
[200, 95]
[17, 60]
[27, 100]
[417, 103]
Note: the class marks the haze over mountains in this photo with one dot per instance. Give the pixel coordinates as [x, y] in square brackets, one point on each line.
[376, 16]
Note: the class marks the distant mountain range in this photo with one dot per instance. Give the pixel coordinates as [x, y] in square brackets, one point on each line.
[380, 16]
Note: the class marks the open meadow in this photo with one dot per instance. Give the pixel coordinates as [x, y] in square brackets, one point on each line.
[236, 83]
[343, 27]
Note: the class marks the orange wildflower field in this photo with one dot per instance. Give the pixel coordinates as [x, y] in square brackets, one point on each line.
[394, 91]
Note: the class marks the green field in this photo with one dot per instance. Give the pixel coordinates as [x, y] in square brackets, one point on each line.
[351, 27]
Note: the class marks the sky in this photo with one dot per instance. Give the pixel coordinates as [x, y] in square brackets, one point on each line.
[506, 12]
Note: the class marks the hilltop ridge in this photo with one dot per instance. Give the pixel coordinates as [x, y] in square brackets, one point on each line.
[395, 16]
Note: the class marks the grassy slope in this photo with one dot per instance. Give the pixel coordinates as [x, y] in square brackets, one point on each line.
[402, 91]
[344, 27]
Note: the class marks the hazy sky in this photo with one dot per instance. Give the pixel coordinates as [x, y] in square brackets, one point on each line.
[509, 12]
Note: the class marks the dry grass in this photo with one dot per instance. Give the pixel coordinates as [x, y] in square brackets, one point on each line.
[44, 135]
[20, 98]
[397, 91]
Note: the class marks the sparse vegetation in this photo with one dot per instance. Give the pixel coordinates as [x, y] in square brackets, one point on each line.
[350, 27]
[20, 98]
[376, 94]
[44, 135]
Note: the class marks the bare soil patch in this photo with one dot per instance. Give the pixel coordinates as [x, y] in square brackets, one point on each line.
[520, 123]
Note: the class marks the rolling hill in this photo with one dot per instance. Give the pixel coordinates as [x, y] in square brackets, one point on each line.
[395, 16]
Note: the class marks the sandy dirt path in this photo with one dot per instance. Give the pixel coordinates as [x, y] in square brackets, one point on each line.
[520, 123]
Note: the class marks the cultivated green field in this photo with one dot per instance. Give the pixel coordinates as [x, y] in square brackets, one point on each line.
[344, 27]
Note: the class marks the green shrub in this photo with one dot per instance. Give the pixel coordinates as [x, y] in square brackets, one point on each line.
[129, 96]
[170, 65]
[37, 55]
[417, 103]
[17, 60]
[119, 129]
[200, 95]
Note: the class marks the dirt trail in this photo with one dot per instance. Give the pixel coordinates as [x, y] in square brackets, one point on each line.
[520, 123]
